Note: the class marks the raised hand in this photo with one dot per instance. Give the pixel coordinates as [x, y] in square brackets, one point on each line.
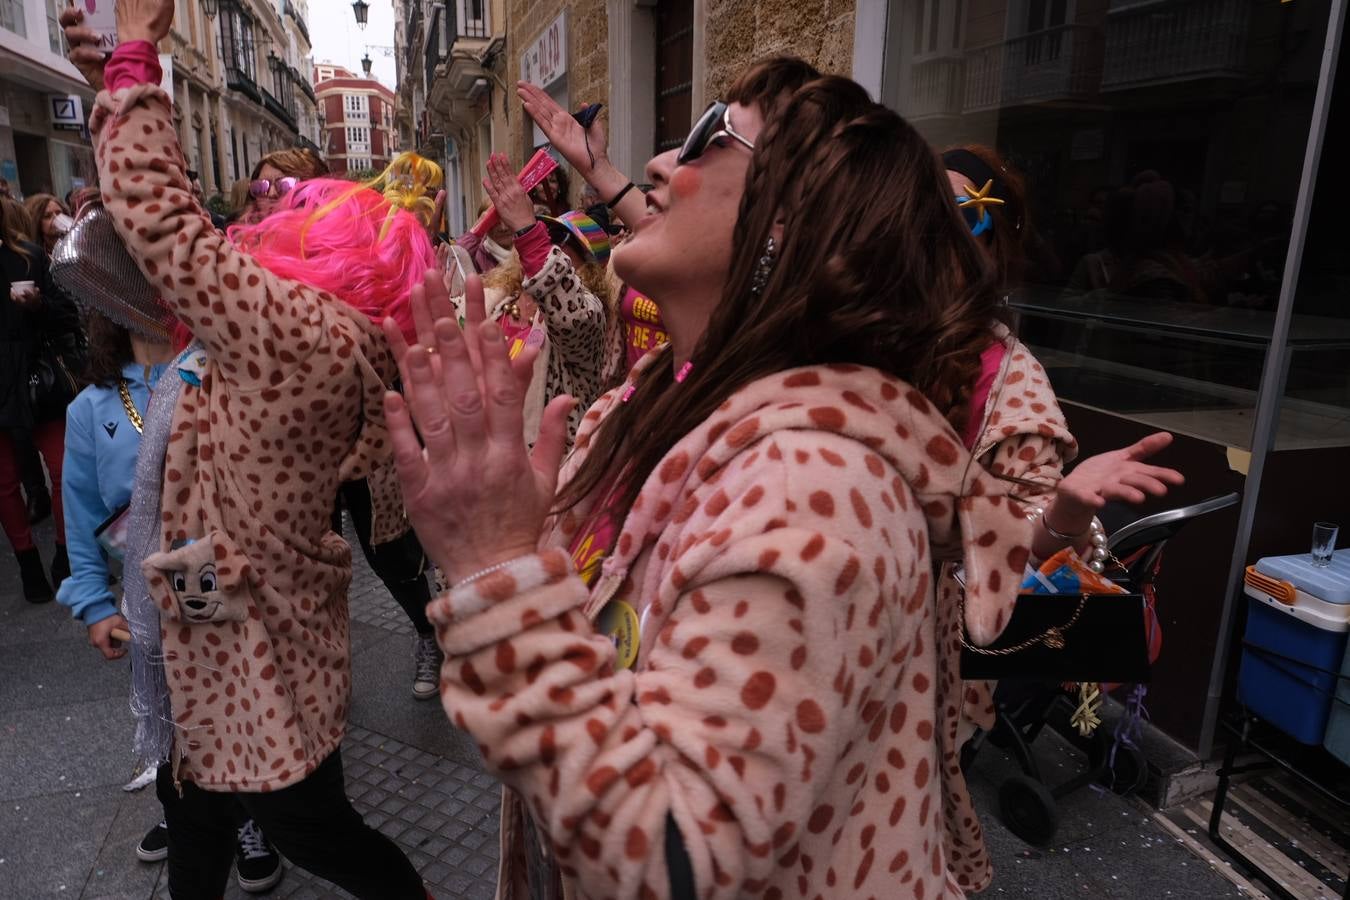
[84, 53]
[1117, 475]
[144, 20]
[474, 494]
[512, 203]
[584, 148]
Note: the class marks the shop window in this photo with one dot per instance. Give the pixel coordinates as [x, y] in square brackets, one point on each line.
[1162, 147]
[674, 72]
[1315, 411]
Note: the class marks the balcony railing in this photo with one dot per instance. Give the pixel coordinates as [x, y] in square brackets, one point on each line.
[298, 19]
[410, 37]
[936, 87]
[438, 44]
[470, 19]
[1055, 64]
[1174, 41]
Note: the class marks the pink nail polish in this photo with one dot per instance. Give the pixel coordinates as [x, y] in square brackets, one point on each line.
[684, 372]
[632, 389]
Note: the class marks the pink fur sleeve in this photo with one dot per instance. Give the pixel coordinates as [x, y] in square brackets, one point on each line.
[255, 326]
[738, 716]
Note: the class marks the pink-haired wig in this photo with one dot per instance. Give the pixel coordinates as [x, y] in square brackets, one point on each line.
[347, 240]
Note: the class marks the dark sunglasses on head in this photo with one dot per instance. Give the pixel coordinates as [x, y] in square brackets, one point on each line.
[713, 125]
[264, 187]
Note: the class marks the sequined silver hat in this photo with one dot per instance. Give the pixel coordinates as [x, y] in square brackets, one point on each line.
[92, 265]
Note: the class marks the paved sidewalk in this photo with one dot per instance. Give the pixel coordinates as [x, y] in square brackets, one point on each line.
[68, 830]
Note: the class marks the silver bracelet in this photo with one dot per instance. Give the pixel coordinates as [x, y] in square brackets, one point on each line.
[1059, 535]
[1097, 536]
[486, 572]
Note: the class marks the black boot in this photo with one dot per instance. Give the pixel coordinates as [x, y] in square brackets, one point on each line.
[60, 566]
[35, 586]
[39, 505]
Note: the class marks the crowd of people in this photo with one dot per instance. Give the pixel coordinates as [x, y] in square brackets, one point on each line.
[712, 485]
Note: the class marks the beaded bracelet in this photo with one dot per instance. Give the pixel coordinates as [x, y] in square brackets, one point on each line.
[483, 573]
[1096, 531]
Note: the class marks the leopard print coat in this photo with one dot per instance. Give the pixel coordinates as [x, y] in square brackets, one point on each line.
[578, 354]
[784, 703]
[283, 406]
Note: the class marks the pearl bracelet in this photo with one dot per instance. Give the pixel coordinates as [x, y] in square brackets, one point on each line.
[483, 573]
[1097, 535]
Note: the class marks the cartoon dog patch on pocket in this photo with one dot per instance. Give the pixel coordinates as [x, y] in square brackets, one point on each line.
[199, 581]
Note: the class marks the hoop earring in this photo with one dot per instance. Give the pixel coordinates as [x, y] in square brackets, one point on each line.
[764, 267]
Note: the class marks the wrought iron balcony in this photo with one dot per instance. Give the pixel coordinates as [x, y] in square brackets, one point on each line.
[437, 45]
[1059, 63]
[1174, 40]
[298, 19]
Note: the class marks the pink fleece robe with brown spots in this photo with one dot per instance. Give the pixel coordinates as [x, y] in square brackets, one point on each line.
[251, 581]
[784, 703]
[1024, 435]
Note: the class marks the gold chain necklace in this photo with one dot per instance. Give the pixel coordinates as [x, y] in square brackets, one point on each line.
[136, 421]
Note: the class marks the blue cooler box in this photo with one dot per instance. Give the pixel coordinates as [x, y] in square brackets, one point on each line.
[1302, 613]
[1338, 726]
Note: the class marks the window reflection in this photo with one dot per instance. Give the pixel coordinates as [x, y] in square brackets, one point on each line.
[1162, 144]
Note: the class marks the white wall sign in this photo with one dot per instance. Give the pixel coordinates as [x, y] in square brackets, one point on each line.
[545, 61]
[67, 112]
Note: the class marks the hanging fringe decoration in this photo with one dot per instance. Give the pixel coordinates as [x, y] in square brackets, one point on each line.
[1085, 717]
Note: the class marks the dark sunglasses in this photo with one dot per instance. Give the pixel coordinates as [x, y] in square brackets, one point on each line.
[713, 125]
[263, 187]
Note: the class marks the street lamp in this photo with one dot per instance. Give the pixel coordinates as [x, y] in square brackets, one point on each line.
[362, 10]
[209, 7]
[366, 64]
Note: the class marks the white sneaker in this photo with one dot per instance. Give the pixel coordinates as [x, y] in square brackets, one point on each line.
[427, 659]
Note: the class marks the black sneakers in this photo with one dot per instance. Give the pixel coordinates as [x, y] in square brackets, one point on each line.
[155, 845]
[256, 861]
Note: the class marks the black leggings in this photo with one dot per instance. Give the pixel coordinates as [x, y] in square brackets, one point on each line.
[400, 563]
[312, 823]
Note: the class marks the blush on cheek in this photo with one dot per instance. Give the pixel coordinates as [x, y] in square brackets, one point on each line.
[685, 182]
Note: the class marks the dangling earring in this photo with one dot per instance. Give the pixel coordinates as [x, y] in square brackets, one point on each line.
[764, 267]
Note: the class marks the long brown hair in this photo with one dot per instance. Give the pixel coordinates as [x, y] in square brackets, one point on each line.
[1007, 242]
[109, 349]
[16, 227]
[37, 207]
[876, 268]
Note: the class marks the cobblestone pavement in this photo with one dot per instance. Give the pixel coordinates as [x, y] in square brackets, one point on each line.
[68, 830]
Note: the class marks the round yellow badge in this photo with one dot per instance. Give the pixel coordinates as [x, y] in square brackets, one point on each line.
[619, 621]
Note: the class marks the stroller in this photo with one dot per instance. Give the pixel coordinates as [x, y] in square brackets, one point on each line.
[1027, 802]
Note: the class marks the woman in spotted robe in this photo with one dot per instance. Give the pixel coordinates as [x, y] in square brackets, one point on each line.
[738, 695]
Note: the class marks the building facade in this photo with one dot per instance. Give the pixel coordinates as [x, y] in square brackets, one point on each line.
[240, 83]
[359, 132]
[44, 103]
